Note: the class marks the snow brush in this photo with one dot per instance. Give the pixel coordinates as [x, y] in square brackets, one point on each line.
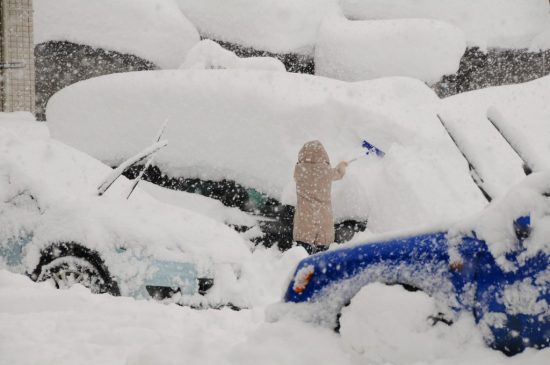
[370, 149]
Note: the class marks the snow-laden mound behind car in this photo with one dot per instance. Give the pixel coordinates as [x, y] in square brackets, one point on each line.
[361, 50]
[154, 30]
[55, 226]
[487, 23]
[248, 127]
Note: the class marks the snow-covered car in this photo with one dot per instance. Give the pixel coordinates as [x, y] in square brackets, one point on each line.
[236, 136]
[55, 226]
[495, 265]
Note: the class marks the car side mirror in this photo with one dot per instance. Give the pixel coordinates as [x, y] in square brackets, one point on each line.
[522, 227]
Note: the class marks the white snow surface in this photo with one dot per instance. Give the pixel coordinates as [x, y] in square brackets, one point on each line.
[542, 41]
[487, 23]
[523, 114]
[76, 327]
[152, 29]
[279, 26]
[361, 50]
[248, 126]
[208, 54]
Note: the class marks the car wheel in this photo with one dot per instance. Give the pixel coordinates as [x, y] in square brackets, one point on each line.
[67, 264]
[64, 272]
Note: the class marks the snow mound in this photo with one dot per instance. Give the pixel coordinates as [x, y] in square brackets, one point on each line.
[208, 54]
[152, 29]
[521, 112]
[248, 126]
[361, 50]
[487, 23]
[279, 26]
[387, 324]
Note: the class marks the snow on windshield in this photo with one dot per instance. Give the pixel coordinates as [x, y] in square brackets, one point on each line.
[248, 126]
[151, 29]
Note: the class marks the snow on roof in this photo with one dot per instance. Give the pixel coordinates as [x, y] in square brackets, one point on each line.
[152, 29]
[280, 26]
[248, 126]
[521, 111]
[361, 50]
[487, 23]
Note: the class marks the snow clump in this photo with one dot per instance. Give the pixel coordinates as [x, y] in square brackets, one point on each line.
[208, 54]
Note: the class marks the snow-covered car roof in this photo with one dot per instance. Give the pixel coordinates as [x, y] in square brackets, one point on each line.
[48, 190]
[248, 126]
[151, 29]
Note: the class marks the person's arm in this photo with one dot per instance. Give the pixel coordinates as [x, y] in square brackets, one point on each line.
[339, 171]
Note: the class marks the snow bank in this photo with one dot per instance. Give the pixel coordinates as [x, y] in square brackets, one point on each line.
[361, 50]
[248, 127]
[487, 23]
[208, 54]
[279, 26]
[522, 112]
[387, 324]
[152, 29]
[76, 327]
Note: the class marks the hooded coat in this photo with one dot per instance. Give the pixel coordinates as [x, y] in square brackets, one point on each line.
[313, 222]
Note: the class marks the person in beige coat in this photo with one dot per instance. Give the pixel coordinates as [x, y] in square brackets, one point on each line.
[313, 223]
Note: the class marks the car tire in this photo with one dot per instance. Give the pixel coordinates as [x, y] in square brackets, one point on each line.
[67, 264]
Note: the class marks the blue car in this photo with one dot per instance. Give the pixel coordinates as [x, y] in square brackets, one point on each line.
[504, 279]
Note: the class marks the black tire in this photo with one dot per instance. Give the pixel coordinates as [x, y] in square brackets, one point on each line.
[66, 264]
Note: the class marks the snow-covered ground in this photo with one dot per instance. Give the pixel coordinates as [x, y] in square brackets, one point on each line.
[40, 324]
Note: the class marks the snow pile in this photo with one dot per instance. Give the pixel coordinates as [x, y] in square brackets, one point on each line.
[248, 127]
[387, 324]
[362, 50]
[208, 54]
[279, 26]
[151, 29]
[522, 113]
[487, 23]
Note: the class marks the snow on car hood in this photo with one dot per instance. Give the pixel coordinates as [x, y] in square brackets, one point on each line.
[248, 126]
[48, 190]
